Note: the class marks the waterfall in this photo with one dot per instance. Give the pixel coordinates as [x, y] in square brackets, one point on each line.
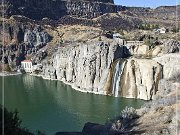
[118, 70]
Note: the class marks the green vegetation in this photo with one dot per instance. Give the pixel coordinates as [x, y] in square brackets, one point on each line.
[61, 41]
[175, 29]
[99, 39]
[12, 124]
[148, 41]
[148, 26]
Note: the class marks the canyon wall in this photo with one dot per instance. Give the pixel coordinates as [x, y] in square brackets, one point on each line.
[162, 12]
[105, 68]
[113, 69]
[55, 9]
[19, 42]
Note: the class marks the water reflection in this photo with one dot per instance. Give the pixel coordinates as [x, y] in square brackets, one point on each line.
[53, 106]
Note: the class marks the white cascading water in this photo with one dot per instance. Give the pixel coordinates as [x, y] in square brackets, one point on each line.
[117, 77]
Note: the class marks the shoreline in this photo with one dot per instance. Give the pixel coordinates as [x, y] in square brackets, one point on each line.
[80, 90]
[2, 74]
[71, 85]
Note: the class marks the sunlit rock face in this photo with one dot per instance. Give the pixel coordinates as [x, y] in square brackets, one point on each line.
[170, 63]
[86, 66]
[135, 78]
[36, 37]
[21, 41]
[105, 68]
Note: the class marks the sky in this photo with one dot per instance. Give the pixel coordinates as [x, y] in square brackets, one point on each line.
[147, 3]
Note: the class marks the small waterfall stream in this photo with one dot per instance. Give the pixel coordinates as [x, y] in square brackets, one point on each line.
[118, 70]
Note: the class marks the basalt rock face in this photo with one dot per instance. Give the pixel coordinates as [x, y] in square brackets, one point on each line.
[89, 9]
[167, 12]
[170, 64]
[11, 32]
[36, 9]
[135, 78]
[86, 66]
[162, 12]
[36, 37]
[171, 46]
[105, 68]
[106, 22]
[20, 41]
[55, 9]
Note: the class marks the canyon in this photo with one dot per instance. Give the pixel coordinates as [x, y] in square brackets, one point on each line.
[101, 48]
[86, 63]
[110, 69]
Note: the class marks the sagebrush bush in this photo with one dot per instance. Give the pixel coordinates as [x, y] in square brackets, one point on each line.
[117, 126]
[129, 113]
[121, 124]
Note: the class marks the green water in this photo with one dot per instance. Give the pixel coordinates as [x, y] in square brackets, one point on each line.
[52, 106]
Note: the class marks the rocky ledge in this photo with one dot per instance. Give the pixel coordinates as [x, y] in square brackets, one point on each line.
[112, 69]
[55, 9]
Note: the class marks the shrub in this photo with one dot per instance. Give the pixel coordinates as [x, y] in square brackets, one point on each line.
[175, 29]
[129, 113]
[99, 39]
[12, 124]
[117, 126]
[125, 122]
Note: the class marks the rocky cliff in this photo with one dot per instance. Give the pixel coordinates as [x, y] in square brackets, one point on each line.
[87, 63]
[82, 12]
[20, 41]
[55, 9]
[162, 12]
[100, 66]
[110, 68]
[105, 68]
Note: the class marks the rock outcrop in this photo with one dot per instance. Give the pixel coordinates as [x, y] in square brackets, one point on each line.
[171, 46]
[20, 41]
[86, 66]
[113, 69]
[55, 9]
[162, 12]
[104, 68]
[170, 63]
[135, 78]
[91, 66]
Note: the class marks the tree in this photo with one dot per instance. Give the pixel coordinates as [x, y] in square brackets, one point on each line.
[12, 124]
[156, 26]
[99, 39]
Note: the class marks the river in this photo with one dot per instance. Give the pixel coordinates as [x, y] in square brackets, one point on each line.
[52, 106]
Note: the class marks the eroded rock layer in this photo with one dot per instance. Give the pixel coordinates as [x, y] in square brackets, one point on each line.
[54, 9]
[105, 68]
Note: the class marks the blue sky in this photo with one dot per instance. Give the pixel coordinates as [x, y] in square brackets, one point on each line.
[147, 3]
